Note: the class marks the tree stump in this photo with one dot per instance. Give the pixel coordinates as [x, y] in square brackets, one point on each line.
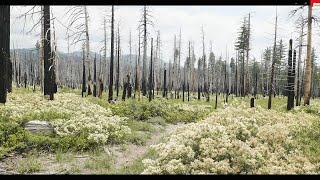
[252, 102]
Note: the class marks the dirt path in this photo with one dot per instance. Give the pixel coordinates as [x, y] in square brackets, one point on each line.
[132, 152]
[75, 163]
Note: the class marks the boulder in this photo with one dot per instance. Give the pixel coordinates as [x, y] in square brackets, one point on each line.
[38, 126]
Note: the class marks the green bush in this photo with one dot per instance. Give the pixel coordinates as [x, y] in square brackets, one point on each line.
[14, 138]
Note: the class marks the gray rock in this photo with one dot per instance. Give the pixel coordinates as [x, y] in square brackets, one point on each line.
[38, 126]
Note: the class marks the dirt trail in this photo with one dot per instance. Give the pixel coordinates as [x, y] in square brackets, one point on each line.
[133, 151]
[122, 158]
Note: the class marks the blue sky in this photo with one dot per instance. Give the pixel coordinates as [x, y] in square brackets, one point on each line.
[221, 24]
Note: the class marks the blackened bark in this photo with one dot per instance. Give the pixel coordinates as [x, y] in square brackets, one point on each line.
[198, 92]
[95, 77]
[48, 60]
[216, 103]
[124, 91]
[252, 102]
[4, 50]
[83, 75]
[164, 83]
[289, 107]
[118, 64]
[150, 77]
[183, 92]
[25, 80]
[111, 58]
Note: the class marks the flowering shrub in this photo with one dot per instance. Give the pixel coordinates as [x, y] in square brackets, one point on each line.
[234, 140]
[69, 114]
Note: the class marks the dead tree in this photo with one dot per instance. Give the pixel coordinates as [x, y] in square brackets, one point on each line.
[83, 73]
[273, 63]
[95, 76]
[111, 57]
[118, 64]
[48, 59]
[299, 61]
[150, 75]
[138, 74]
[289, 106]
[4, 50]
[164, 83]
[145, 20]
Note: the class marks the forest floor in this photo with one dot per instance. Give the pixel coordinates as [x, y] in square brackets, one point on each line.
[123, 158]
[114, 159]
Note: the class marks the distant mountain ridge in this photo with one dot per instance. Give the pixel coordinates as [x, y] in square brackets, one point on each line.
[77, 55]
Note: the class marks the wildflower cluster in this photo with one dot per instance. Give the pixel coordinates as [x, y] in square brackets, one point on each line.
[69, 114]
[234, 140]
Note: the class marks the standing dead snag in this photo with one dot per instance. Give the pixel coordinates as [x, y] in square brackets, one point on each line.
[164, 83]
[4, 49]
[25, 77]
[83, 73]
[273, 63]
[100, 88]
[299, 60]
[150, 75]
[118, 64]
[111, 57]
[129, 87]
[48, 59]
[289, 107]
[95, 76]
[252, 102]
[124, 92]
[308, 61]
[145, 20]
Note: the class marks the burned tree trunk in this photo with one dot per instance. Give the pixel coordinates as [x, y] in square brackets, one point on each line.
[95, 77]
[291, 83]
[252, 102]
[124, 92]
[4, 50]
[198, 92]
[289, 107]
[150, 77]
[272, 66]
[308, 61]
[25, 77]
[129, 87]
[183, 86]
[83, 74]
[100, 88]
[111, 57]
[216, 103]
[164, 83]
[48, 60]
[118, 64]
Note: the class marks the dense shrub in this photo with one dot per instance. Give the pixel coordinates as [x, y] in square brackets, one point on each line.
[235, 140]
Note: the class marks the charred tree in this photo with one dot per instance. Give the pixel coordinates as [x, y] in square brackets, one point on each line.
[111, 57]
[95, 77]
[164, 83]
[48, 59]
[150, 76]
[289, 107]
[4, 50]
[273, 64]
[83, 74]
